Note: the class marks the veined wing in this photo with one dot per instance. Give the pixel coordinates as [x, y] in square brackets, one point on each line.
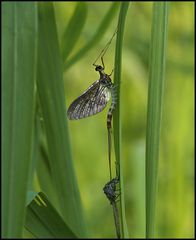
[92, 101]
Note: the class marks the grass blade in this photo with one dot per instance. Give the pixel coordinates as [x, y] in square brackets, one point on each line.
[155, 92]
[117, 122]
[43, 221]
[74, 29]
[96, 38]
[19, 61]
[44, 174]
[52, 99]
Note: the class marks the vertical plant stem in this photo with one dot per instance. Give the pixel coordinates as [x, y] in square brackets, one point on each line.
[154, 109]
[117, 123]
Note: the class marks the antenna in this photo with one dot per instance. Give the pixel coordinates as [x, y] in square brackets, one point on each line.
[102, 53]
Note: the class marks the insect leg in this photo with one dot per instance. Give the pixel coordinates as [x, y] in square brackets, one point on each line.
[117, 170]
[102, 53]
[102, 62]
[111, 73]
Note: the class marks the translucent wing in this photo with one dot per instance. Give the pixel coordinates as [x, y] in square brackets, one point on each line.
[92, 101]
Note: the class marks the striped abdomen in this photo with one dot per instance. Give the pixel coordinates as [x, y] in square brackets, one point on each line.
[112, 107]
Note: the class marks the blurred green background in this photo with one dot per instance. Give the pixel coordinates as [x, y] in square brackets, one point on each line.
[175, 205]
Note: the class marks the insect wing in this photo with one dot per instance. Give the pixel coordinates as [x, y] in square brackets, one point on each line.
[92, 101]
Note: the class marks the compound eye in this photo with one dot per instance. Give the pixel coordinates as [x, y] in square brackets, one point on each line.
[98, 68]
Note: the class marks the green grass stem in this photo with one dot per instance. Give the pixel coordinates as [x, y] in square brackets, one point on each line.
[117, 119]
[154, 109]
[19, 62]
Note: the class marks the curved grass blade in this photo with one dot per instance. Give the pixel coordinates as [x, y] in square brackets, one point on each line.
[19, 61]
[96, 38]
[44, 175]
[74, 29]
[42, 219]
[155, 93]
[117, 122]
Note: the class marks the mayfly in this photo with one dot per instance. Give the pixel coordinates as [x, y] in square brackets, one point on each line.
[96, 97]
[111, 193]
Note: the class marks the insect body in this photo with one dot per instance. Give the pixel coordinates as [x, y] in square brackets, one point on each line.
[110, 192]
[91, 102]
[94, 99]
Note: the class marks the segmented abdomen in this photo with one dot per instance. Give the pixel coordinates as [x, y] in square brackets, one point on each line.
[112, 107]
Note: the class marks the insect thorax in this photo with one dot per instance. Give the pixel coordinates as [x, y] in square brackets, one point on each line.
[106, 81]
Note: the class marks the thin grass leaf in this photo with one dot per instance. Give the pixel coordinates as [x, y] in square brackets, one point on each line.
[19, 61]
[42, 219]
[44, 174]
[52, 99]
[138, 192]
[154, 109]
[117, 121]
[103, 27]
[74, 29]
[43, 168]
[35, 150]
